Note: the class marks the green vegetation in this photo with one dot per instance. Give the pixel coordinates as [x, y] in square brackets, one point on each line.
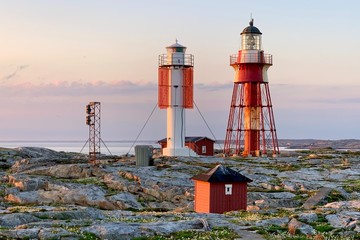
[216, 233]
[84, 235]
[324, 227]
[282, 167]
[89, 180]
[335, 196]
[318, 236]
[133, 219]
[256, 216]
[352, 185]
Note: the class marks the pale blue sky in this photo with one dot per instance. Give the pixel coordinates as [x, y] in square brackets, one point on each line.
[55, 56]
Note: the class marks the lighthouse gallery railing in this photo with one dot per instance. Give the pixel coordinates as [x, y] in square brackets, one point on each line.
[251, 58]
[186, 60]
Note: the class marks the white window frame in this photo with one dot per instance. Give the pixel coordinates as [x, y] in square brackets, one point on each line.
[203, 149]
[228, 189]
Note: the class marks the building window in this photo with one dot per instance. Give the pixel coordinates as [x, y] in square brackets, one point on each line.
[203, 149]
[228, 189]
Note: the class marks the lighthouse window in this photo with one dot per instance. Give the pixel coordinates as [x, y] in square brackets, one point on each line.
[228, 189]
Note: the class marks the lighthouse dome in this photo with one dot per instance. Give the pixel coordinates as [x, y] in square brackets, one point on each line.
[176, 47]
[251, 29]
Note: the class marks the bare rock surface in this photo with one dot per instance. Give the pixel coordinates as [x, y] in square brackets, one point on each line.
[55, 195]
[317, 198]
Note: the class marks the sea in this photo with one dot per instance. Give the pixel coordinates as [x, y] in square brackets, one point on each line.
[107, 147]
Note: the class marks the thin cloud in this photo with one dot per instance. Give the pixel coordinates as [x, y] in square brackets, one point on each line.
[16, 72]
[77, 88]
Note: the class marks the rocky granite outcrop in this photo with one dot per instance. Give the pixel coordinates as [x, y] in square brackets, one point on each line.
[50, 195]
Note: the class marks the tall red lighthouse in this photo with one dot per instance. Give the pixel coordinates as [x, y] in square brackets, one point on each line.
[251, 126]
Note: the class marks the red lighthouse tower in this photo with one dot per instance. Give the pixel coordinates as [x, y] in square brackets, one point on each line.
[251, 127]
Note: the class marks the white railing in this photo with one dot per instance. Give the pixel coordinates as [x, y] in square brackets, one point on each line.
[251, 58]
[186, 60]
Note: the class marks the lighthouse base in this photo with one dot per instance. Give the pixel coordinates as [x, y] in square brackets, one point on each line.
[179, 152]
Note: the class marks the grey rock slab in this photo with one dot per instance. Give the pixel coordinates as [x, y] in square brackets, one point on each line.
[222, 221]
[317, 198]
[39, 152]
[130, 230]
[76, 214]
[344, 174]
[302, 227]
[31, 233]
[354, 204]
[308, 217]
[290, 186]
[16, 219]
[273, 221]
[335, 221]
[68, 171]
[57, 233]
[125, 200]
[344, 219]
[113, 181]
[305, 174]
[280, 195]
[28, 183]
[84, 195]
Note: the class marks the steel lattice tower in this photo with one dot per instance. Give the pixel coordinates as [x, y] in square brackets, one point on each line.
[93, 120]
[251, 126]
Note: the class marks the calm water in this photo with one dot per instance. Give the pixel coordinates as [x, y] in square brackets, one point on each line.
[115, 147]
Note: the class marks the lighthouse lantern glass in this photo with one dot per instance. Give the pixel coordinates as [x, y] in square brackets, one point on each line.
[251, 41]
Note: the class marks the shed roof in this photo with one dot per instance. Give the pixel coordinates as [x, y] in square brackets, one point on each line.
[189, 139]
[221, 174]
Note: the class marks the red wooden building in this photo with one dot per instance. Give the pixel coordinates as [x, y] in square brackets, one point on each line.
[201, 145]
[220, 190]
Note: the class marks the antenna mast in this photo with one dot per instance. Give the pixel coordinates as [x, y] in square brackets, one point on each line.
[93, 120]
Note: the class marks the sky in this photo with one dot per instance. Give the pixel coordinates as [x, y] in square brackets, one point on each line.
[57, 56]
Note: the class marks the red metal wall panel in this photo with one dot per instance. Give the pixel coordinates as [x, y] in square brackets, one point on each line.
[220, 203]
[163, 89]
[202, 197]
[249, 72]
[188, 90]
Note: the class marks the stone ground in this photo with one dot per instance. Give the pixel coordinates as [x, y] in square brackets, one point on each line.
[55, 195]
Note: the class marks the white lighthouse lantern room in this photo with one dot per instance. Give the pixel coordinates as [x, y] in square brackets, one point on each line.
[175, 94]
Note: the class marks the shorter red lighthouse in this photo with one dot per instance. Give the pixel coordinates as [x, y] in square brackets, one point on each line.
[251, 126]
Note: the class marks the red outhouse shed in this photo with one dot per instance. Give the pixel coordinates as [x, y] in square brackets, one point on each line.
[220, 190]
[201, 145]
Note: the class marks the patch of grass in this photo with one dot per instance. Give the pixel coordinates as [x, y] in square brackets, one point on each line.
[89, 180]
[111, 192]
[321, 219]
[335, 196]
[275, 229]
[324, 227]
[85, 181]
[133, 219]
[216, 233]
[88, 236]
[351, 185]
[84, 235]
[285, 167]
[256, 216]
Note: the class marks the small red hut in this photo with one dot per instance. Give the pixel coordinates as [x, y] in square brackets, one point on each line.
[220, 190]
[203, 146]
